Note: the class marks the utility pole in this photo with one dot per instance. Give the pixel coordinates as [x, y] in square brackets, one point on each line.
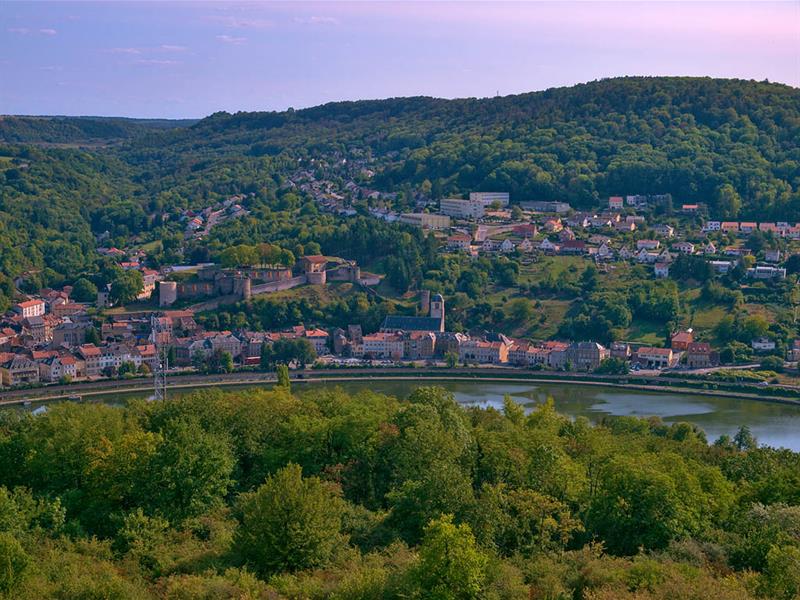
[162, 358]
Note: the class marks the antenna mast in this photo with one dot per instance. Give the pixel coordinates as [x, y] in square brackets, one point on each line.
[161, 366]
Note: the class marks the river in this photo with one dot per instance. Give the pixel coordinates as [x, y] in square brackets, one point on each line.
[774, 424]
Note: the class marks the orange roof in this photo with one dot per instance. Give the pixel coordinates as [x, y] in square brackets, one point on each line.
[90, 350]
[682, 336]
[316, 258]
[29, 303]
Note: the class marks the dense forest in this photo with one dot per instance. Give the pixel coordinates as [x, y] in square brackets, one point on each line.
[270, 494]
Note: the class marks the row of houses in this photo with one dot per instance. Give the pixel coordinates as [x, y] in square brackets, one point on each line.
[781, 228]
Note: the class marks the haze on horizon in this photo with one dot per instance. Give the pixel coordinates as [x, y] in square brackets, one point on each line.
[188, 60]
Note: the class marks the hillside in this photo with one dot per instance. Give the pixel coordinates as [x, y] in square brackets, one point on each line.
[134, 178]
[79, 130]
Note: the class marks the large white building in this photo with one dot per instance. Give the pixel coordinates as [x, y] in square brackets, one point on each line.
[462, 209]
[487, 198]
[30, 308]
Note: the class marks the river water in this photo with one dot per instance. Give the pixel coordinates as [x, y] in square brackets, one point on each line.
[773, 424]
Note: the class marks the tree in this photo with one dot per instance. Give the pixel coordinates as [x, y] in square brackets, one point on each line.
[728, 201]
[451, 358]
[289, 523]
[14, 563]
[521, 310]
[744, 439]
[781, 578]
[84, 290]
[451, 566]
[282, 373]
[126, 286]
[190, 471]
[772, 363]
[612, 366]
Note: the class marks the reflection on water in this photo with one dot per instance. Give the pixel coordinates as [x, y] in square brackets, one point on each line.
[772, 423]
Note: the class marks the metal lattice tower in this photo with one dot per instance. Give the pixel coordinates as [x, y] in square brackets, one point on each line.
[162, 358]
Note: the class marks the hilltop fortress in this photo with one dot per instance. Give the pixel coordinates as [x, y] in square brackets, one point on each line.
[244, 282]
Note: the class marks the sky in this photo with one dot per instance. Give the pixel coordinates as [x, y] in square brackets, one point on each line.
[190, 59]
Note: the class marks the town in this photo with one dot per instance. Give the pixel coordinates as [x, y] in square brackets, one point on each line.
[50, 337]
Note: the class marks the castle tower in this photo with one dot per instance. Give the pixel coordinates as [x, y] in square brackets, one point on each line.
[437, 310]
[167, 293]
[425, 302]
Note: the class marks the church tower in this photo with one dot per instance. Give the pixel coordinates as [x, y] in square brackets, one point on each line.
[437, 310]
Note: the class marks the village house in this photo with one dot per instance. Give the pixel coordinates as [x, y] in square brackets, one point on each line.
[566, 235]
[616, 203]
[92, 358]
[709, 249]
[793, 354]
[684, 247]
[553, 225]
[19, 370]
[655, 358]
[625, 226]
[483, 352]
[318, 339]
[773, 256]
[721, 267]
[383, 345]
[664, 230]
[710, 226]
[643, 256]
[699, 355]
[765, 227]
[647, 244]
[747, 227]
[661, 270]
[729, 226]
[680, 340]
[620, 350]
[54, 368]
[419, 344]
[30, 308]
[459, 241]
[690, 209]
[766, 272]
[507, 246]
[763, 344]
[586, 356]
[573, 247]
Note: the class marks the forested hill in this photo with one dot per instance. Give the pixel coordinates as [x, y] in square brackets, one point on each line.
[734, 145]
[686, 136]
[79, 130]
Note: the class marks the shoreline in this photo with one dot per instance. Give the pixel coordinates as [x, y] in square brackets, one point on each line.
[109, 388]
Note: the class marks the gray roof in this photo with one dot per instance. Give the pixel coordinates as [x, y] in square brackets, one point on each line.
[396, 322]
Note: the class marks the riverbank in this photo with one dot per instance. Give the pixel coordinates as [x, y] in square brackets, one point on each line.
[243, 379]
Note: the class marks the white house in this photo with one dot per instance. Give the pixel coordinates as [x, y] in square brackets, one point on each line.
[661, 270]
[684, 247]
[763, 344]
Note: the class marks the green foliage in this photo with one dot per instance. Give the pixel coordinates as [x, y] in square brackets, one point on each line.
[289, 523]
[205, 496]
[451, 566]
[13, 563]
[282, 372]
